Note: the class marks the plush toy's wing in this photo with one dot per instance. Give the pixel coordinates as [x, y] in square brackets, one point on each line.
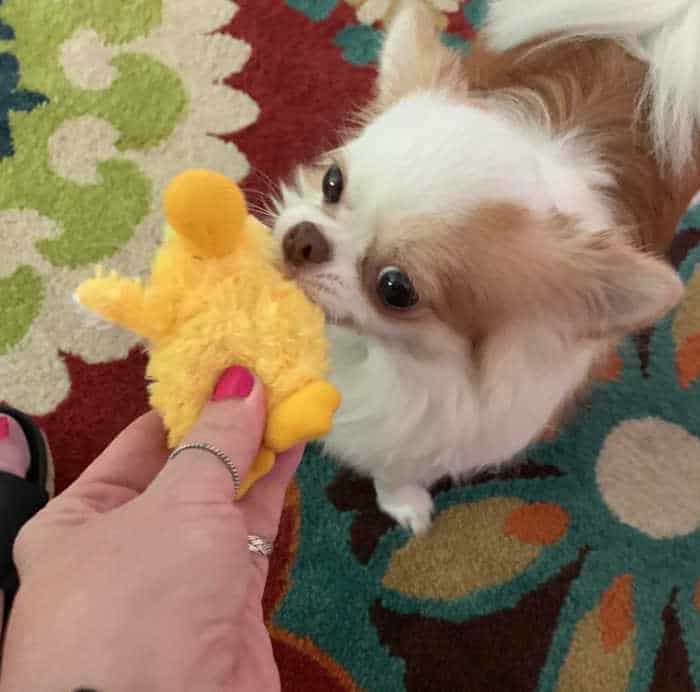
[117, 300]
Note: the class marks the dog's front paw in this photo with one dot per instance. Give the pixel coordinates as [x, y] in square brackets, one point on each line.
[409, 505]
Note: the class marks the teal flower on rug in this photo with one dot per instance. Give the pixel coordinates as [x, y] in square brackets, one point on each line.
[596, 537]
[360, 43]
[314, 9]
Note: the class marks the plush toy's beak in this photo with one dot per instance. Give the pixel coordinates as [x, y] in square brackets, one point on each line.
[208, 211]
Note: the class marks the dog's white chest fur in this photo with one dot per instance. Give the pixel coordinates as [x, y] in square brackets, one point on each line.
[408, 422]
[401, 420]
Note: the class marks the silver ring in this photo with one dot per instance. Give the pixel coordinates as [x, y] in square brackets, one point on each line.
[221, 456]
[260, 546]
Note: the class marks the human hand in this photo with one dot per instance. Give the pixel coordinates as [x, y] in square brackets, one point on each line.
[139, 577]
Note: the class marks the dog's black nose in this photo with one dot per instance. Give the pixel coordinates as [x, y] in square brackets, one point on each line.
[305, 243]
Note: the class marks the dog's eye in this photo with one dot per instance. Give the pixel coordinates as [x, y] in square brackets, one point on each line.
[395, 289]
[333, 184]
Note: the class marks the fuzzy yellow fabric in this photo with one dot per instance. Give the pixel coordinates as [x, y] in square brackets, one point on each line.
[216, 298]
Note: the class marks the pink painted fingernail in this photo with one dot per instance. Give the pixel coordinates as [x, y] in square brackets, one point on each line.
[236, 383]
[4, 428]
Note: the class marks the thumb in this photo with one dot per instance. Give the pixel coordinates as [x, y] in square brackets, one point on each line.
[233, 422]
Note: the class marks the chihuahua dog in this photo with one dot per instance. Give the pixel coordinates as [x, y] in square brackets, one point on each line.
[492, 227]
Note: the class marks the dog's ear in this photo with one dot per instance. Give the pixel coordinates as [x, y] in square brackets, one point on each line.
[612, 288]
[626, 290]
[412, 54]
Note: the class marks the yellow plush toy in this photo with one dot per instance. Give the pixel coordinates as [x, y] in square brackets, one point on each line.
[216, 298]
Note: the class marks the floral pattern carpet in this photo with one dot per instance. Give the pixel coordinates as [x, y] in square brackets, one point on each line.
[577, 570]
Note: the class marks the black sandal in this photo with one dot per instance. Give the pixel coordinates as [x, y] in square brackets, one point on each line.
[22, 498]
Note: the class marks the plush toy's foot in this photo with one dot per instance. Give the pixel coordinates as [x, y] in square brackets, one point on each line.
[261, 467]
[305, 415]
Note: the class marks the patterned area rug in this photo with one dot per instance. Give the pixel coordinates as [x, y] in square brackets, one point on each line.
[578, 570]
